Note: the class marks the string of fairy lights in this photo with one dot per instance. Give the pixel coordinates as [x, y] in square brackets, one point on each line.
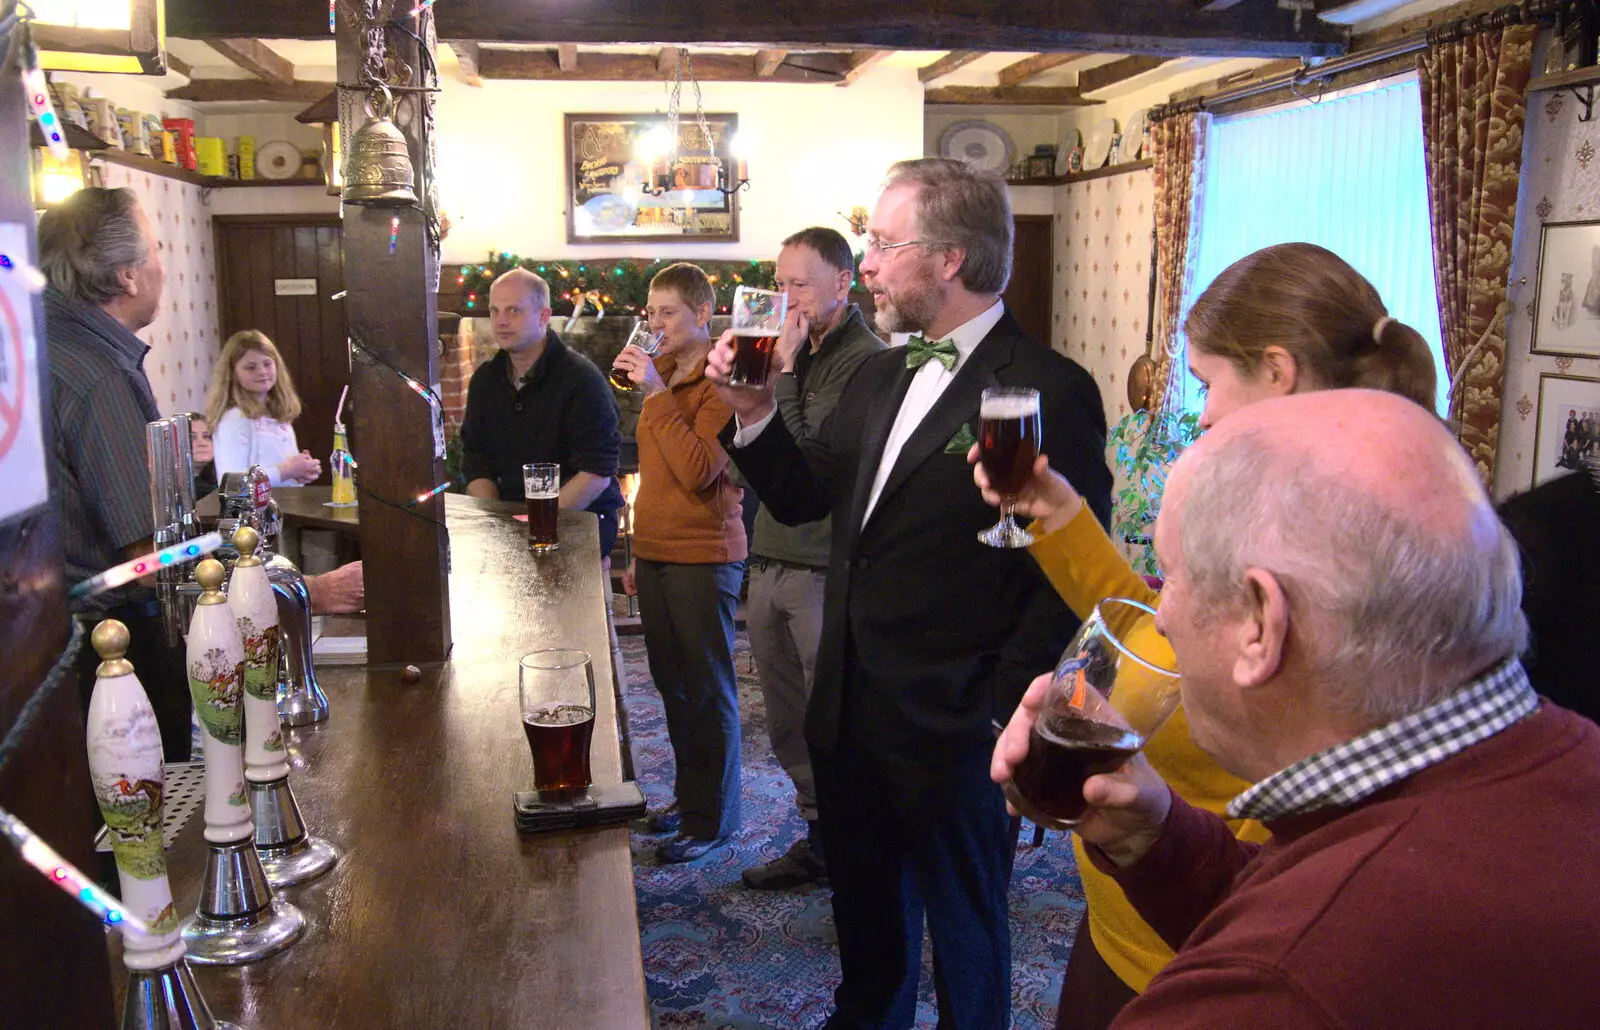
[620, 285]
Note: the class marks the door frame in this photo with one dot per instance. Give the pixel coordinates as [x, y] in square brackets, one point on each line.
[1050, 294]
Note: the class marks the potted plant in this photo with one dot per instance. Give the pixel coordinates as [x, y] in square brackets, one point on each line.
[1146, 447]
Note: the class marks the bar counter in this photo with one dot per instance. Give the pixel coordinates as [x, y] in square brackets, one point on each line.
[441, 914]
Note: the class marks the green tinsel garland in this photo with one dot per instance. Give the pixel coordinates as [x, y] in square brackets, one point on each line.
[622, 285]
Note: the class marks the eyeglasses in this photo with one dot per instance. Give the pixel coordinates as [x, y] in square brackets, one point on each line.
[879, 247]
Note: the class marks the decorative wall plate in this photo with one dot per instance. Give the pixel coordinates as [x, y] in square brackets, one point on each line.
[1099, 147]
[279, 159]
[981, 144]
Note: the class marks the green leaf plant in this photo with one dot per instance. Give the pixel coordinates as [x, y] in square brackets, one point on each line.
[1146, 446]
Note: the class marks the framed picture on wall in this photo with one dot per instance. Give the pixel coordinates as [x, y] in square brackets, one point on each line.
[609, 198]
[1569, 425]
[1566, 304]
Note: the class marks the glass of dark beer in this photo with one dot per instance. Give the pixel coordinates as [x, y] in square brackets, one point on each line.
[757, 323]
[1106, 701]
[641, 339]
[541, 483]
[556, 689]
[1009, 431]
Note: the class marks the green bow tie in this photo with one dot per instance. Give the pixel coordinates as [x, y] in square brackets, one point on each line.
[919, 352]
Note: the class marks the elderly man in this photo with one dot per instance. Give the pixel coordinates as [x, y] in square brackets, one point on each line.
[824, 341]
[538, 401]
[1343, 604]
[927, 633]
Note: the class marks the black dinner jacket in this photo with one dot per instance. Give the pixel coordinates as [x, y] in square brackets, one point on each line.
[927, 634]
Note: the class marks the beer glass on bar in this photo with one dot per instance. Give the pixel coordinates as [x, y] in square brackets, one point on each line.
[1008, 444]
[642, 339]
[1105, 703]
[541, 483]
[757, 322]
[556, 689]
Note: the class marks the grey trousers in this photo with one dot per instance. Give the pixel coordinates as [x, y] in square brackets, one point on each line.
[688, 612]
[784, 617]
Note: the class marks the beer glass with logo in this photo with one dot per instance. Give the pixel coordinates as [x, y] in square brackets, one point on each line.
[541, 483]
[1008, 444]
[757, 323]
[556, 688]
[641, 339]
[1106, 701]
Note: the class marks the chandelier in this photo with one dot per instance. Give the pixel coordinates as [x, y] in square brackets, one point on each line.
[673, 166]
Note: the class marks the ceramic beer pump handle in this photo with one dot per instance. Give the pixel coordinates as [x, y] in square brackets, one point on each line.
[256, 612]
[216, 680]
[129, 779]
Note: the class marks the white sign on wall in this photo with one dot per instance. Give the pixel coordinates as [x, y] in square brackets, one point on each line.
[294, 287]
[22, 467]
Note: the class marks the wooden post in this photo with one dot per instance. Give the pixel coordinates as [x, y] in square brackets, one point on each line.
[391, 308]
[54, 969]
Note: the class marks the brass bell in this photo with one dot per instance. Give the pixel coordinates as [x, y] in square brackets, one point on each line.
[378, 170]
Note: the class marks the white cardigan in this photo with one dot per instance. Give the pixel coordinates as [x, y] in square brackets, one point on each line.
[241, 442]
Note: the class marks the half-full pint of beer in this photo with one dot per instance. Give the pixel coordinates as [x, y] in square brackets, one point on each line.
[1008, 439]
[559, 736]
[752, 357]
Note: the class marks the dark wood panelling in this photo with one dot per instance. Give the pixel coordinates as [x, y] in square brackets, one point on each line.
[1033, 276]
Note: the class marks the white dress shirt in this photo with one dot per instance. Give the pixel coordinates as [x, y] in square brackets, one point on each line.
[926, 387]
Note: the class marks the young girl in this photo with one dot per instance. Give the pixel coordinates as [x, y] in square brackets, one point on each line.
[205, 467]
[250, 407]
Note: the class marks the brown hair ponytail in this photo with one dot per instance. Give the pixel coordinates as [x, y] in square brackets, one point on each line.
[1309, 301]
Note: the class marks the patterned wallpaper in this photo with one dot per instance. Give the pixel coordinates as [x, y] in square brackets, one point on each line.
[1103, 278]
[184, 337]
[1560, 183]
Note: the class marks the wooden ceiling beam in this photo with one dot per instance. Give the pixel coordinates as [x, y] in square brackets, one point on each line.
[953, 61]
[177, 64]
[1032, 67]
[666, 60]
[1254, 28]
[324, 110]
[546, 65]
[567, 56]
[207, 90]
[1018, 96]
[859, 62]
[1091, 80]
[256, 58]
[1269, 70]
[767, 62]
[467, 53]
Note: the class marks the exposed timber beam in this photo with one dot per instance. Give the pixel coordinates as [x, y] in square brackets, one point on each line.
[1255, 28]
[1032, 67]
[860, 61]
[1019, 96]
[177, 64]
[667, 60]
[1106, 75]
[546, 65]
[1270, 70]
[954, 60]
[567, 56]
[467, 53]
[203, 90]
[324, 110]
[767, 62]
[256, 58]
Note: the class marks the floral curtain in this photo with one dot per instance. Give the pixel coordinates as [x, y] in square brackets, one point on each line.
[1472, 117]
[1178, 155]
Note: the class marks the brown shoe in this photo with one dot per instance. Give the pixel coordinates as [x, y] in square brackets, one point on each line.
[797, 867]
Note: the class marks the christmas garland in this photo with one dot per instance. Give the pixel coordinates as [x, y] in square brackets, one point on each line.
[618, 285]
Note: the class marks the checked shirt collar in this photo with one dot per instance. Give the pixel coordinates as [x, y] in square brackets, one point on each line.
[1343, 775]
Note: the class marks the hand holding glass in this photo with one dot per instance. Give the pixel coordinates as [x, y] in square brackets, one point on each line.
[757, 323]
[541, 484]
[1009, 433]
[642, 339]
[556, 688]
[1104, 705]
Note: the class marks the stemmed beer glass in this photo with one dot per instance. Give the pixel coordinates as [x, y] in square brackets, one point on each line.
[1008, 444]
[1105, 703]
[641, 339]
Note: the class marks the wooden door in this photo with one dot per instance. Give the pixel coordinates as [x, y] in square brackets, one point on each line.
[1033, 276]
[265, 264]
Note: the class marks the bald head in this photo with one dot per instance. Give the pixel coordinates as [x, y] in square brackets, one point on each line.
[1399, 576]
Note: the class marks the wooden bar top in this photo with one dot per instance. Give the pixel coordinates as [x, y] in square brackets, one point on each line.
[441, 914]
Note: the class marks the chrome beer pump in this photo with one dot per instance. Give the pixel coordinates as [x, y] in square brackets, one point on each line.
[289, 855]
[172, 506]
[237, 920]
[129, 783]
[247, 501]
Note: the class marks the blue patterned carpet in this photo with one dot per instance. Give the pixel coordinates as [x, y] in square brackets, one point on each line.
[717, 955]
